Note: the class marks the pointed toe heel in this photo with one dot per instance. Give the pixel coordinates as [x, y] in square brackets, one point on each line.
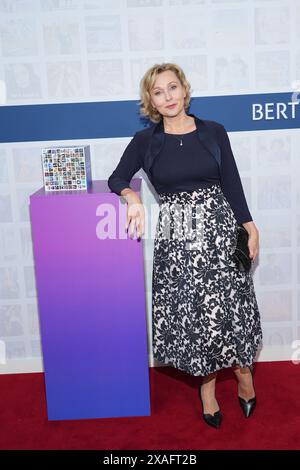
[248, 406]
[214, 420]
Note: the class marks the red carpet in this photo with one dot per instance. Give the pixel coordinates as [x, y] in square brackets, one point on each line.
[176, 421]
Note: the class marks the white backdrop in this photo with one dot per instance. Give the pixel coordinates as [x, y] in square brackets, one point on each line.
[55, 51]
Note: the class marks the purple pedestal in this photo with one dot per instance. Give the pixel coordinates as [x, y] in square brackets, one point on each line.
[92, 309]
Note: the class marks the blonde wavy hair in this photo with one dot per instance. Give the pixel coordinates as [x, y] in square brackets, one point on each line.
[147, 82]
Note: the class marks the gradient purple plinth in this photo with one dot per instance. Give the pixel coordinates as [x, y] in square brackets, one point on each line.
[92, 308]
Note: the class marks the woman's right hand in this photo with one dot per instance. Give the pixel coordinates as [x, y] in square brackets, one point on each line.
[135, 218]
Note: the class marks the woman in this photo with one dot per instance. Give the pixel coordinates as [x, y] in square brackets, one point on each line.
[204, 311]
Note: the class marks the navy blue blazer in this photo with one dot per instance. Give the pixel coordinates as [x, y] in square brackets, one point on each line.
[147, 143]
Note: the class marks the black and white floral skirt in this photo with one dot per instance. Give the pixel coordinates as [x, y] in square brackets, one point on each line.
[205, 315]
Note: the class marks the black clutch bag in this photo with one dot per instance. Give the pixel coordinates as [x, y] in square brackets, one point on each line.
[241, 253]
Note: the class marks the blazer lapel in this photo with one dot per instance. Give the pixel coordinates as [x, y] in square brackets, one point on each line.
[157, 140]
[208, 139]
[156, 143]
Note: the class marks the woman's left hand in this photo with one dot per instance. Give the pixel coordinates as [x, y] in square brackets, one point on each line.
[253, 241]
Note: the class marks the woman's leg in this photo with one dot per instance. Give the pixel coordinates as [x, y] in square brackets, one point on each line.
[245, 382]
[207, 390]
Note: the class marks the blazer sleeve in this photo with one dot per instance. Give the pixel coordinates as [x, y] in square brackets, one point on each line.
[231, 182]
[128, 165]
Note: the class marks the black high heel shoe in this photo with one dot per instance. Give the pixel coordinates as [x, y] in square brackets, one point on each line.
[214, 420]
[248, 406]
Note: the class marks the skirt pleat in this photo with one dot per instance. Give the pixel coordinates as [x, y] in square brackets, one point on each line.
[205, 315]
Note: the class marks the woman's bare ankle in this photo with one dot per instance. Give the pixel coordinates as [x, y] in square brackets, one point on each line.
[245, 382]
[207, 391]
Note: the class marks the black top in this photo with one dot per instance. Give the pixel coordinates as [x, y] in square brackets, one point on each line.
[185, 167]
[171, 167]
